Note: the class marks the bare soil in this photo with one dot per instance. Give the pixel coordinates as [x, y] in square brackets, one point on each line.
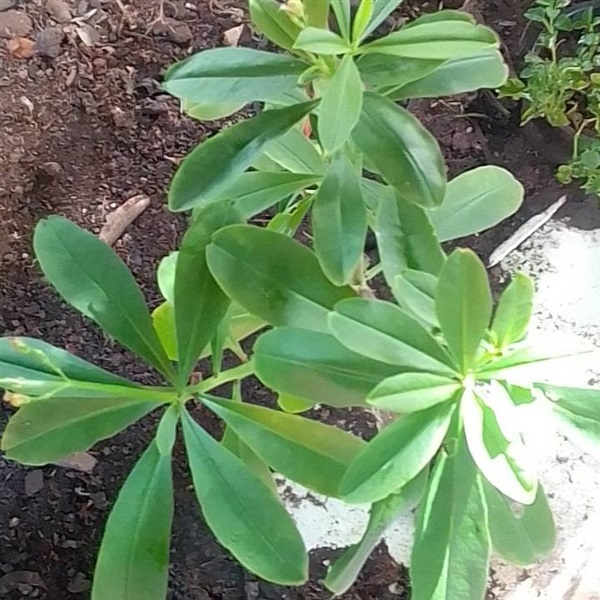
[83, 127]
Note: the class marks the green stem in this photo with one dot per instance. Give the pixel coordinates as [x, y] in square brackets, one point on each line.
[234, 374]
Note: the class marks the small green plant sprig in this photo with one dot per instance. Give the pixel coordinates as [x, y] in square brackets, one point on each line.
[562, 85]
[336, 146]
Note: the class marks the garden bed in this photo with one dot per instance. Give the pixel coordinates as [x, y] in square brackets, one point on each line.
[82, 132]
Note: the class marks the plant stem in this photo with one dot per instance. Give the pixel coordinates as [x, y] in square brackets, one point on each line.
[234, 374]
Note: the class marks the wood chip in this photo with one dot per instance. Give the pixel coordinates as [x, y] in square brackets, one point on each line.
[79, 461]
[122, 217]
[232, 36]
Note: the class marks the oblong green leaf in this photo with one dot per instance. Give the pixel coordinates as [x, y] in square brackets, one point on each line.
[385, 72]
[463, 304]
[384, 332]
[93, 279]
[396, 455]
[133, 561]
[321, 41]
[47, 430]
[274, 22]
[405, 239]
[242, 511]
[210, 112]
[339, 221]
[513, 312]
[441, 40]
[381, 10]
[405, 153]
[415, 292]
[213, 165]
[317, 12]
[522, 538]
[484, 70]
[273, 277]
[475, 201]
[342, 11]
[294, 152]
[411, 392]
[314, 367]
[308, 452]
[232, 75]
[165, 276]
[340, 107]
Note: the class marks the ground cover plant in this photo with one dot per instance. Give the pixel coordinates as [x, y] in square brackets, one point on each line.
[333, 144]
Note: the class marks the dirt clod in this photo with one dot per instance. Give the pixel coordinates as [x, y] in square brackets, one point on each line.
[34, 482]
[49, 40]
[21, 47]
[14, 23]
[59, 10]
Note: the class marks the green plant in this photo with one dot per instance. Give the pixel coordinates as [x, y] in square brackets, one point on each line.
[333, 144]
[561, 84]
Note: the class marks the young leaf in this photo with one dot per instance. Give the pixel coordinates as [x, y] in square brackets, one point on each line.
[513, 312]
[47, 430]
[405, 239]
[340, 107]
[317, 12]
[484, 70]
[242, 511]
[411, 392]
[384, 332]
[396, 455]
[213, 165]
[344, 571]
[442, 40]
[273, 277]
[93, 279]
[274, 23]
[133, 562]
[232, 75]
[163, 321]
[415, 292]
[314, 367]
[463, 304]
[404, 152]
[380, 12]
[492, 430]
[321, 41]
[342, 10]
[339, 221]
[452, 546]
[294, 152]
[524, 538]
[475, 201]
[200, 304]
[361, 19]
[308, 452]
[210, 112]
[165, 276]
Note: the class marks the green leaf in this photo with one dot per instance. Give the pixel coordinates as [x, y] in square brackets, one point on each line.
[393, 72]
[232, 75]
[200, 304]
[521, 538]
[308, 452]
[314, 367]
[47, 430]
[340, 107]
[380, 12]
[295, 152]
[405, 153]
[475, 201]
[210, 112]
[415, 292]
[396, 455]
[163, 321]
[463, 304]
[405, 239]
[133, 562]
[342, 10]
[93, 279]
[484, 70]
[165, 276]
[317, 12]
[321, 41]
[274, 23]
[339, 221]
[384, 332]
[442, 16]
[411, 392]
[211, 167]
[293, 405]
[441, 40]
[344, 571]
[242, 511]
[451, 550]
[513, 312]
[578, 413]
[374, 192]
[363, 15]
[491, 424]
[35, 368]
[253, 267]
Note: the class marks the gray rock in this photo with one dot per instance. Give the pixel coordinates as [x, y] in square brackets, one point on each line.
[59, 10]
[14, 23]
[6, 4]
[48, 41]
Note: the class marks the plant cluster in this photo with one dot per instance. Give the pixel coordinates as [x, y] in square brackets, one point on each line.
[463, 380]
[561, 83]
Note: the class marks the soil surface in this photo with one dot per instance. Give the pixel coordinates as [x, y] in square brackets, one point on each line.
[83, 127]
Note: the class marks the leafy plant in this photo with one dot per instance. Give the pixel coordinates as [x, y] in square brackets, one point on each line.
[561, 84]
[332, 143]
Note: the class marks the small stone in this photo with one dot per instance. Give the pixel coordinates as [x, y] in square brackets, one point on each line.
[49, 41]
[59, 10]
[51, 168]
[176, 31]
[80, 583]
[21, 47]
[34, 482]
[6, 4]
[14, 23]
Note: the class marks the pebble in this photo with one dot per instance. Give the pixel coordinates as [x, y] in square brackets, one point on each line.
[49, 40]
[34, 482]
[14, 23]
[6, 4]
[59, 10]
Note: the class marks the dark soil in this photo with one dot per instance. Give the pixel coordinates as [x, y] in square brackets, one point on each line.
[83, 128]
